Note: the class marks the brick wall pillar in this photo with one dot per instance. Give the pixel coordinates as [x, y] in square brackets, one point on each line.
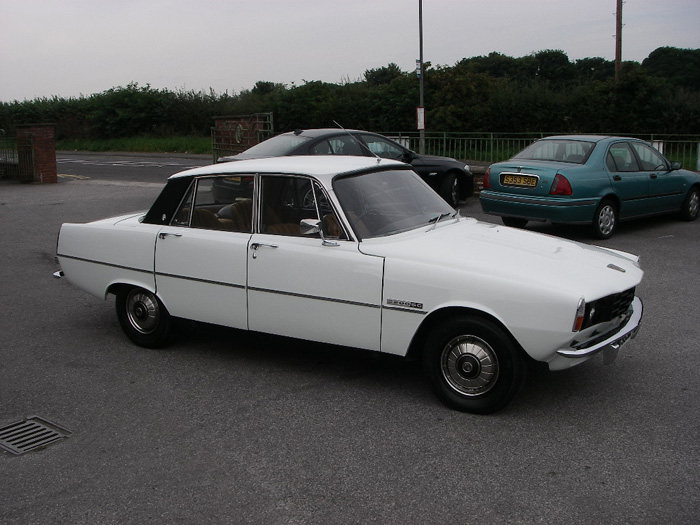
[36, 148]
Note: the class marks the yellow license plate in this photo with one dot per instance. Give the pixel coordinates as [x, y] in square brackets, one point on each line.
[519, 180]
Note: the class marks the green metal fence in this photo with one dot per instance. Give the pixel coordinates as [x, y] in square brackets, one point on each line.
[487, 148]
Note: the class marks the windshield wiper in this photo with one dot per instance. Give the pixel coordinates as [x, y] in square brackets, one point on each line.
[438, 218]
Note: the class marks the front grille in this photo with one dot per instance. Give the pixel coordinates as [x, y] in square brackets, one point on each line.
[608, 308]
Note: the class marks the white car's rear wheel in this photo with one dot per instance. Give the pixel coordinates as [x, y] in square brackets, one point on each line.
[473, 365]
[143, 317]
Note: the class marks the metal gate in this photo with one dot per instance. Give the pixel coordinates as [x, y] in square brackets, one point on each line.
[9, 160]
[234, 134]
[16, 162]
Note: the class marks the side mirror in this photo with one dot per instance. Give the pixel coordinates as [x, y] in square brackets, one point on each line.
[407, 156]
[310, 226]
[675, 165]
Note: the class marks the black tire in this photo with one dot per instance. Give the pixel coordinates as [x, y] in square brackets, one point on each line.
[143, 317]
[514, 222]
[473, 365]
[691, 204]
[450, 189]
[605, 220]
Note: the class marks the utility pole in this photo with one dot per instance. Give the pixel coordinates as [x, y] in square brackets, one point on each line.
[618, 40]
[420, 110]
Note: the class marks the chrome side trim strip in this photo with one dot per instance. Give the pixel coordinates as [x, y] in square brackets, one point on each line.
[314, 297]
[111, 265]
[199, 280]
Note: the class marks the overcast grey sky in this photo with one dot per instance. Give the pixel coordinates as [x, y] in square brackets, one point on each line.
[73, 47]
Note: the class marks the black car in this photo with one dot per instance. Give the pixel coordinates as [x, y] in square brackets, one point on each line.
[451, 179]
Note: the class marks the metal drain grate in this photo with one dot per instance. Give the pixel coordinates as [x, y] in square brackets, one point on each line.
[33, 432]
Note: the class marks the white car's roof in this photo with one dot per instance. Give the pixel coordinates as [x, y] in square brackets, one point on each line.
[321, 167]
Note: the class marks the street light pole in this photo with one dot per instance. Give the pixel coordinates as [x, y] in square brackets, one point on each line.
[421, 107]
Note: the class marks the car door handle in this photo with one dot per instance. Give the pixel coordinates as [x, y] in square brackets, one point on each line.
[653, 176]
[163, 235]
[617, 177]
[256, 245]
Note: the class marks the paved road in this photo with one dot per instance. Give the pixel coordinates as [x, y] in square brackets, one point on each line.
[227, 427]
[125, 167]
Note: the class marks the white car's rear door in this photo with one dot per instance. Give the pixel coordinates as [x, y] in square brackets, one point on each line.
[201, 274]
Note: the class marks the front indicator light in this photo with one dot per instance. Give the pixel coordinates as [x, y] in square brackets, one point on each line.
[580, 315]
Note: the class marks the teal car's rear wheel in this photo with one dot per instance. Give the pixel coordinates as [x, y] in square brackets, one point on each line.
[605, 219]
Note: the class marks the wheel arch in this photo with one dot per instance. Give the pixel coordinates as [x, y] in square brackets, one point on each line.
[114, 287]
[614, 197]
[435, 318]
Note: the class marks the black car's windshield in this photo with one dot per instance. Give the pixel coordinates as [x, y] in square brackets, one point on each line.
[574, 151]
[388, 202]
[276, 146]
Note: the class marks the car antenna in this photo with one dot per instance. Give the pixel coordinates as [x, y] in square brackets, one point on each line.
[379, 159]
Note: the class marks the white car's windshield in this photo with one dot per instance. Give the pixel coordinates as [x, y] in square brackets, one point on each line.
[388, 202]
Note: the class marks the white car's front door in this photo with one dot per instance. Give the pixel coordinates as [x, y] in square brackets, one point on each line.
[301, 286]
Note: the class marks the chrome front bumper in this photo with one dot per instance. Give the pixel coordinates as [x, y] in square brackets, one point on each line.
[611, 342]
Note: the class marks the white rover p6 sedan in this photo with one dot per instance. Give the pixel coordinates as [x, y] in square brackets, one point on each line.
[359, 252]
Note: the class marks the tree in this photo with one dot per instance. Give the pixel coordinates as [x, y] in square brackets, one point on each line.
[595, 69]
[680, 67]
[383, 75]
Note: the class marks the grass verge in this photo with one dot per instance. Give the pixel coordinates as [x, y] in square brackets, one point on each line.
[141, 144]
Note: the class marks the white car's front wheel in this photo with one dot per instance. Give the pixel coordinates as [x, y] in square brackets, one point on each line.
[473, 365]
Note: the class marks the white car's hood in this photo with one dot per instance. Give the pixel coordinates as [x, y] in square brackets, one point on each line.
[480, 248]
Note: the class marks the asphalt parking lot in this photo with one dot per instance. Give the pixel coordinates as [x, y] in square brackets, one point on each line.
[228, 427]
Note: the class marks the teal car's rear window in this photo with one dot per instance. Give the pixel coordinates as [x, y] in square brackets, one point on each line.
[573, 151]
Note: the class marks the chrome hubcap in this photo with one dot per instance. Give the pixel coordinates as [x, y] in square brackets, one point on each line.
[142, 311]
[455, 192]
[469, 365]
[606, 220]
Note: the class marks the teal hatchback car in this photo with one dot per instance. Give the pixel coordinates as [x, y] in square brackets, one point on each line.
[589, 179]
